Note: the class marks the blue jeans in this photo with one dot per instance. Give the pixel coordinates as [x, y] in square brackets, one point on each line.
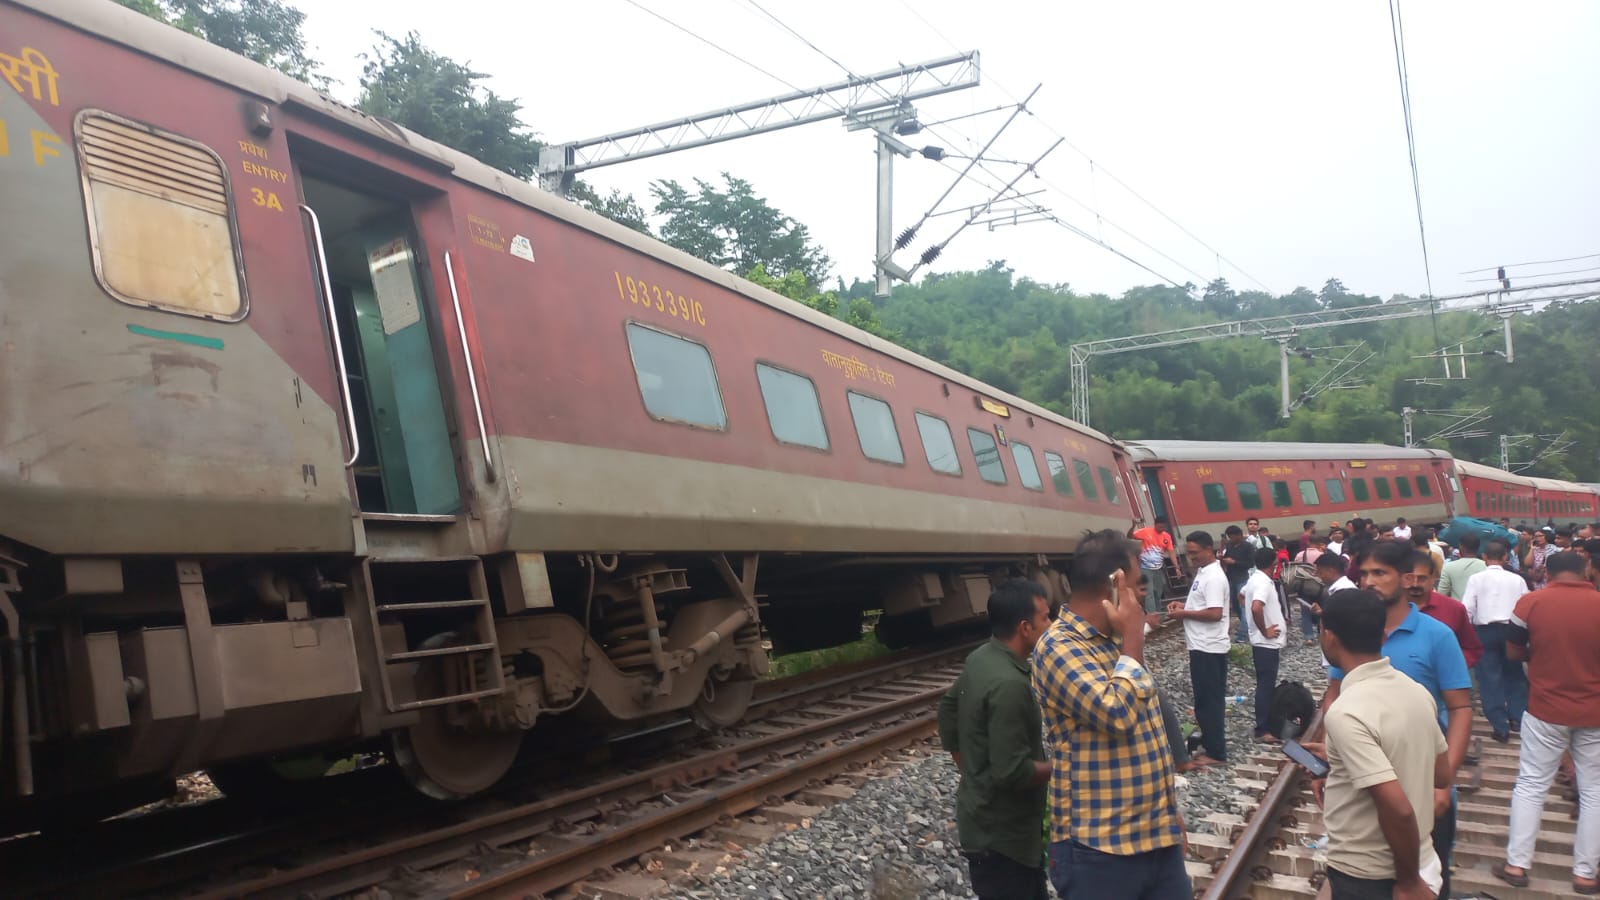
[1308, 621]
[1083, 873]
[1502, 685]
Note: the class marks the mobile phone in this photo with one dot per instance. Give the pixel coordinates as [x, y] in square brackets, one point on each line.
[1313, 763]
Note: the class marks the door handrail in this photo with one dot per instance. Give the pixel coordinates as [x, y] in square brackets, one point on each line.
[333, 330]
[472, 372]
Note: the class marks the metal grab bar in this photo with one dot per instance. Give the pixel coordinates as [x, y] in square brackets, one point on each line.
[472, 374]
[338, 344]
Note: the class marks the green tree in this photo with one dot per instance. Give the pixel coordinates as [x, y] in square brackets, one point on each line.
[267, 31]
[616, 206]
[439, 98]
[737, 230]
[858, 312]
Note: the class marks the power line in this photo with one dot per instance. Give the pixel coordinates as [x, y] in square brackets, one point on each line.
[1542, 262]
[1095, 166]
[1397, 32]
[1541, 274]
[1021, 106]
[710, 43]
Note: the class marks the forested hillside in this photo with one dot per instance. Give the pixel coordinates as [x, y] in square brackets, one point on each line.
[1013, 332]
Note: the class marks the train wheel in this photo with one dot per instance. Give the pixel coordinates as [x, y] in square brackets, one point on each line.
[721, 703]
[445, 761]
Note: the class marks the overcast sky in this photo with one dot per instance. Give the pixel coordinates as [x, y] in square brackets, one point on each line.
[1271, 131]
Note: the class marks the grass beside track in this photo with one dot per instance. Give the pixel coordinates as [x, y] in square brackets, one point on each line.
[869, 647]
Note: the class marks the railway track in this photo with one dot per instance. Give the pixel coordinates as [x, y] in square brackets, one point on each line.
[1265, 854]
[801, 731]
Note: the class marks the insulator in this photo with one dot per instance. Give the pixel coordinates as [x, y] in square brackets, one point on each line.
[932, 253]
[905, 238]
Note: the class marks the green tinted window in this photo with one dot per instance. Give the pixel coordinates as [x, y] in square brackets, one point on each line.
[1216, 497]
[1358, 490]
[1382, 484]
[1335, 490]
[1249, 495]
[1308, 493]
[1085, 479]
[1423, 488]
[1280, 494]
[1027, 469]
[1109, 482]
[1058, 473]
[1402, 486]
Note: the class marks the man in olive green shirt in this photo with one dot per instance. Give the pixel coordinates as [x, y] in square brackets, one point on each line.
[990, 722]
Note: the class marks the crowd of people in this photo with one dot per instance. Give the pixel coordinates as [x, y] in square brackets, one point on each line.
[1058, 717]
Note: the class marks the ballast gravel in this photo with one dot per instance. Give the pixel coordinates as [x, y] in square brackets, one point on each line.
[895, 839]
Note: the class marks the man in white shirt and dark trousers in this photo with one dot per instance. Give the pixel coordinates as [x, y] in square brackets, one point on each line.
[1267, 637]
[1491, 599]
[1205, 629]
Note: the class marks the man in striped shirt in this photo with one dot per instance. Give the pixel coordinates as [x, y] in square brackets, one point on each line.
[1115, 828]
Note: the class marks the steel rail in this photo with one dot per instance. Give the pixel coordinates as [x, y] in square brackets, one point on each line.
[363, 868]
[547, 873]
[1234, 877]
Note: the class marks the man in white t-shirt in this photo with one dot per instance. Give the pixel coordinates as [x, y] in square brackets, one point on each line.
[1330, 569]
[1205, 628]
[1402, 531]
[1265, 616]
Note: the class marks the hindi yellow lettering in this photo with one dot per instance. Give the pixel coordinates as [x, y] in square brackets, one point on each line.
[31, 68]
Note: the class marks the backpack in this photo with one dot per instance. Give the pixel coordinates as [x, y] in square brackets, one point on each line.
[1293, 707]
[1300, 580]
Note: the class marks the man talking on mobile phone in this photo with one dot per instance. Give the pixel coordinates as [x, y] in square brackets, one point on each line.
[1386, 756]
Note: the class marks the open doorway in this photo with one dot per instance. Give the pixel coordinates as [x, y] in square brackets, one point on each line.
[406, 464]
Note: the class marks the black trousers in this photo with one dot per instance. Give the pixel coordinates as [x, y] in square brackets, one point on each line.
[1349, 887]
[1266, 660]
[1444, 842]
[996, 876]
[1208, 676]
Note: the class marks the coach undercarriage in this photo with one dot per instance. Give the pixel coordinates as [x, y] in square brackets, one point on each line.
[124, 673]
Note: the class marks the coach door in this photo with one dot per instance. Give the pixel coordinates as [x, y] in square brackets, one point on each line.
[368, 257]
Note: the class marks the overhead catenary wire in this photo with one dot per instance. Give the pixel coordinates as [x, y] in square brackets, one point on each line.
[1398, 33]
[977, 157]
[1095, 166]
[712, 44]
[1540, 262]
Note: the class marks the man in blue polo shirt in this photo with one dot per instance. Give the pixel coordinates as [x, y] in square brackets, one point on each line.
[1427, 652]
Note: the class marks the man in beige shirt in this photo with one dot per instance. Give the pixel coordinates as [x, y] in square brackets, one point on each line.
[1386, 755]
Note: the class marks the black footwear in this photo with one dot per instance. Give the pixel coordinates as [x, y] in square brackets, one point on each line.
[1502, 737]
[1471, 759]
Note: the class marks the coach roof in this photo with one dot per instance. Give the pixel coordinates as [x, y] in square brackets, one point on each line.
[1479, 470]
[124, 26]
[1222, 451]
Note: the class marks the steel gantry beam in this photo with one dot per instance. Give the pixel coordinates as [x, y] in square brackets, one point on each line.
[854, 96]
[1498, 302]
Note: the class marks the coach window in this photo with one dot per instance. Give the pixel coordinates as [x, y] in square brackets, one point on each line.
[1085, 479]
[1423, 488]
[987, 454]
[875, 429]
[1358, 490]
[1335, 490]
[793, 410]
[937, 443]
[1109, 482]
[1027, 469]
[676, 378]
[1280, 494]
[1402, 487]
[1382, 484]
[1058, 473]
[1249, 495]
[1308, 493]
[1216, 496]
[161, 229]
